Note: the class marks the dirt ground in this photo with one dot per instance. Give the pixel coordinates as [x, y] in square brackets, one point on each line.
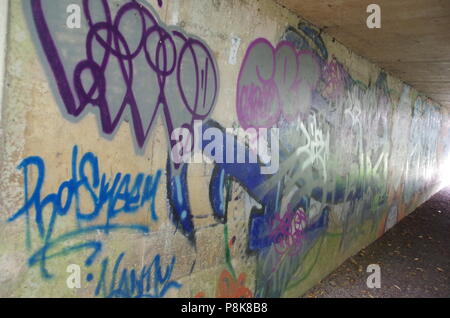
[414, 257]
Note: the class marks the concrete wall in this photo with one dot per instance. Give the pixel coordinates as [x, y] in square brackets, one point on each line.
[85, 175]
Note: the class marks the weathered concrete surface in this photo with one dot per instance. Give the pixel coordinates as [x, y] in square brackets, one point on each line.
[84, 184]
[413, 42]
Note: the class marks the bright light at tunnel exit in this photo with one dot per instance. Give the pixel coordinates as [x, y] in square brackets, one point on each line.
[444, 174]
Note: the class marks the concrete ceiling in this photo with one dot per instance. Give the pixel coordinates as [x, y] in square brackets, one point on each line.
[412, 44]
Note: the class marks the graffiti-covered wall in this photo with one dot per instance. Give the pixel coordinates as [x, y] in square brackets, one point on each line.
[93, 202]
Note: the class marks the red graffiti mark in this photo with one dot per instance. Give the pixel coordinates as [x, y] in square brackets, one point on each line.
[229, 287]
[232, 241]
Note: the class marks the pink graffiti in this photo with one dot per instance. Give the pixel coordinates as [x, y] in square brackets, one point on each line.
[333, 75]
[275, 82]
[287, 234]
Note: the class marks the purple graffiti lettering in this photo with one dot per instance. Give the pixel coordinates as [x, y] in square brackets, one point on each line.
[132, 69]
[274, 82]
[287, 233]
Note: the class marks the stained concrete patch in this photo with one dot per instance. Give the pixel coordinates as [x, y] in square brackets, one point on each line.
[11, 266]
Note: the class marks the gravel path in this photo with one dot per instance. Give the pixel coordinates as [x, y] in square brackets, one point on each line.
[414, 257]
